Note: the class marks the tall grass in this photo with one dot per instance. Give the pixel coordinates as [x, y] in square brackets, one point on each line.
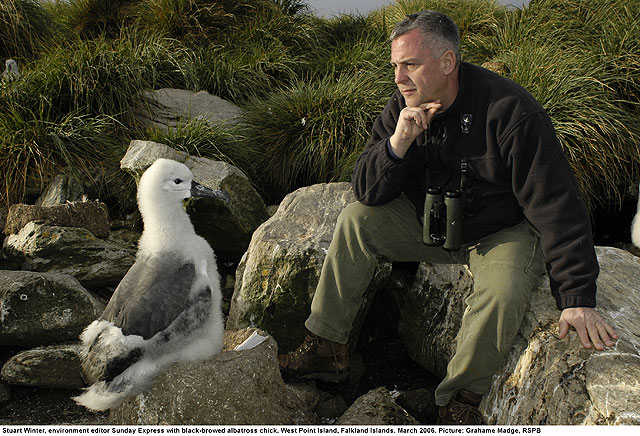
[350, 45]
[92, 18]
[581, 60]
[34, 145]
[102, 76]
[596, 128]
[309, 87]
[307, 130]
[99, 86]
[25, 25]
[214, 141]
[194, 20]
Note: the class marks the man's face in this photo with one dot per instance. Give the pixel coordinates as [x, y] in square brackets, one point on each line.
[418, 73]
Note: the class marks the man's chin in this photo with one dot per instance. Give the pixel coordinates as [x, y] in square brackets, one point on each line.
[413, 100]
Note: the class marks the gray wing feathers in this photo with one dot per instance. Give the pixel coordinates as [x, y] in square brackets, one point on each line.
[151, 295]
[192, 318]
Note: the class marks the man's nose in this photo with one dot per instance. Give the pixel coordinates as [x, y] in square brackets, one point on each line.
[400, 75]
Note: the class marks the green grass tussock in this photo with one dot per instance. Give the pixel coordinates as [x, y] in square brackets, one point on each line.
[304, 132]
[309, 87]
[34, 145]
[214, 141]
[25, 27]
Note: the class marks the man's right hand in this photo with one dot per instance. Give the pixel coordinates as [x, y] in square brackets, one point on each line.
[411, 123]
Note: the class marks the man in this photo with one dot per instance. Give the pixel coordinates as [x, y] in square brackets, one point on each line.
[461, 128]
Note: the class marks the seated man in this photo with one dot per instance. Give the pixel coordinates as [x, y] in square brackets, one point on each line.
[484, 139]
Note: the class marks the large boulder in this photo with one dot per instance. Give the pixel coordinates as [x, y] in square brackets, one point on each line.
[75, 251]
[434, 303]
[90, 215]
[167, 108]
[226, 226]
[544, 380]
[278, 275]
[232, 388]
[56, 366]
[41, 309]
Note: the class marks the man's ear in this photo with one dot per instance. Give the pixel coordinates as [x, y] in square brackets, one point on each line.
[448, 62]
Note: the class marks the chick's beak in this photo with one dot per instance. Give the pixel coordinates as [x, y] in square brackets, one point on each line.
[197, 190]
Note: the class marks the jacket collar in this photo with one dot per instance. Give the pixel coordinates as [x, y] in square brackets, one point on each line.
[464, 100]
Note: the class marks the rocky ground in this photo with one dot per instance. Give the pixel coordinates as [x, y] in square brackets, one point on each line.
[384, 363]
[380, 361]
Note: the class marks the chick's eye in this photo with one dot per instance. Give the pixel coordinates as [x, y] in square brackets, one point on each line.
[177, 181]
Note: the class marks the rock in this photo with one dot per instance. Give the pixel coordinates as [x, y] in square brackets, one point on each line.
[42, 309]
[434, 303]
[331, 408]
[226, 226]
[277, 277]
[232, 388]
[377, 407]
[90, 215]
[167, 108]
[62, 189]
[419, 403]
[45, 367]
[544, 380]
[94, 262]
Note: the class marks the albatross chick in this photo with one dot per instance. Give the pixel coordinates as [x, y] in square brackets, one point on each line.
[167, 307]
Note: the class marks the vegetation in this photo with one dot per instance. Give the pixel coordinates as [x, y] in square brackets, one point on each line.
[309, 87]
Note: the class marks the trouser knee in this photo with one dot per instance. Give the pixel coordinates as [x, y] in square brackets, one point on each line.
[356, 216]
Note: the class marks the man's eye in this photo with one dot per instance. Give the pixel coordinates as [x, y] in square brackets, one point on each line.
[177, 181]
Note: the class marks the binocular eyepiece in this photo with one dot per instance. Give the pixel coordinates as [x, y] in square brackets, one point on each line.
[443, 219]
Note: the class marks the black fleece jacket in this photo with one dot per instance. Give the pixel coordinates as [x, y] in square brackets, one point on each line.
[516, 165]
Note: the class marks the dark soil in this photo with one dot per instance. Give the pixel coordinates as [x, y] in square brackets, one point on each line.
[36, 406]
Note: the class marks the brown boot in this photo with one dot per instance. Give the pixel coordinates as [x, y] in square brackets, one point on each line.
[462, 410]
[316, 358]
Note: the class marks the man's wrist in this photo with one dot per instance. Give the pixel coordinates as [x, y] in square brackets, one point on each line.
[398, 146]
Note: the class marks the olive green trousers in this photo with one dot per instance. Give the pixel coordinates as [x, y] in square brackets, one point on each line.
[505, 266]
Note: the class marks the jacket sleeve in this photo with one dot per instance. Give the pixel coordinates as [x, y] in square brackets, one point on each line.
[378, 176]
[547, 191]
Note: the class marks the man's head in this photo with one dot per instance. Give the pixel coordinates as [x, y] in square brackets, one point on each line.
[425, 53]
[439, 31]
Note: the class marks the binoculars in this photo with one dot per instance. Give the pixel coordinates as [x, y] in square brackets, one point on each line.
[443, 219]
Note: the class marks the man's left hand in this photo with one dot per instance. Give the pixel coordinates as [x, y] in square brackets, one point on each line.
[592, 329]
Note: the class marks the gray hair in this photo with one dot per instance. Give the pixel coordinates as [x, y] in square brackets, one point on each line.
[439, 32]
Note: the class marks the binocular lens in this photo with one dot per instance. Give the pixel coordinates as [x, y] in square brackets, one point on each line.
[443, 219]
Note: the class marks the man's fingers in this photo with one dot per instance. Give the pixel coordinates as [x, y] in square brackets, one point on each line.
[563, 329]
[594, 334]
[610, 330]
[431, 105]
[583, 334]
[592, 329]
[606, 332]
[430, 109]
[422, 120]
